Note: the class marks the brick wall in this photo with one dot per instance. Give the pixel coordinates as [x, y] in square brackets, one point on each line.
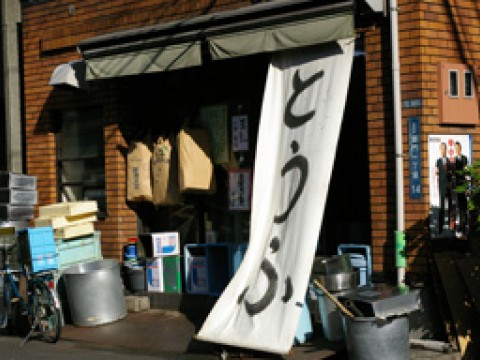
[51, 31]
[429, 33]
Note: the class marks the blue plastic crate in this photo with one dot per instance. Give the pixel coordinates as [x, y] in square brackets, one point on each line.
[208, 268]
[44, 262]
[196, 274]
[361, 259]
[238, 252]
[37, 248]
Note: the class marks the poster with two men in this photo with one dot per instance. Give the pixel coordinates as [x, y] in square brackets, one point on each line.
[448, 155]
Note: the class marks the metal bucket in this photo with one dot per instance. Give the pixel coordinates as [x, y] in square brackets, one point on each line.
[333, 264]
[95, 292]
[330, 316]
[370, 338]
[340, 281]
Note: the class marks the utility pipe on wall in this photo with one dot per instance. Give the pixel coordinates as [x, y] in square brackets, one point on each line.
[400, 257]
[10, 18]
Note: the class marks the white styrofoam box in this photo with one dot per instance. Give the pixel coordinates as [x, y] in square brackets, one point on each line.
[154, 275]
[165, 243]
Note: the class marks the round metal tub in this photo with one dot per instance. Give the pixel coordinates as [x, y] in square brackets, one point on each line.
[95, 292]
[331, 316]
[340, 281]
[369, 338]
[335, 264]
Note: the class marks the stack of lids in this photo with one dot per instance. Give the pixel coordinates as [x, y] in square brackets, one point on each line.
[69, 219]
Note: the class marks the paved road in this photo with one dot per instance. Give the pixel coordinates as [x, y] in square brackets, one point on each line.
[37, 350]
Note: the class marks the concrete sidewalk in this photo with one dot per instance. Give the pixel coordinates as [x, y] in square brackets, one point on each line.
[170, 334]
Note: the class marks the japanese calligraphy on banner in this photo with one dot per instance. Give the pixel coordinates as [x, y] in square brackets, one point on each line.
[300, 124]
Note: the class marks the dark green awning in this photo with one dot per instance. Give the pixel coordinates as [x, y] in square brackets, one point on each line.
[162, 58]
[282, 36]
[265, 27]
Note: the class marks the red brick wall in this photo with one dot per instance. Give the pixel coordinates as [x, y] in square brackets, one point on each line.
[50, 36]
[427, 36]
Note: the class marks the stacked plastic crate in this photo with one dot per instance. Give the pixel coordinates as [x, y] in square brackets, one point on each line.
[73, 228]
[37, 249]
[18, 196]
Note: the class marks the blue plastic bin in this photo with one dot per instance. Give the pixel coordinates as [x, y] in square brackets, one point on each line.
[238, 252]
[208, 267]
[304, 329]
[361, 259]
[37, 248]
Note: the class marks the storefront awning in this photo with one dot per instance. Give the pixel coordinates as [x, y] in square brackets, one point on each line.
[69, 74]
[265, 27]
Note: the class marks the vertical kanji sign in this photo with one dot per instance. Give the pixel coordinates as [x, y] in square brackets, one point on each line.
[299, 128]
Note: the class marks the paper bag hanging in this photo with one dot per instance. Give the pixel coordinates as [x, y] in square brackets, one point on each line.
[195, 168]
[139, 187]
[165, 173]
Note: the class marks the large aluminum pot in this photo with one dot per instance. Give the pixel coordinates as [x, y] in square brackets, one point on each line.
[95, 292]
[340, 281]
[332, 264]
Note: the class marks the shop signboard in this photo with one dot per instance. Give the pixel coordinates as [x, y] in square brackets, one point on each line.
[447, 155]
[300, 124]
[239, 184]
[240, 133]
[415, 156]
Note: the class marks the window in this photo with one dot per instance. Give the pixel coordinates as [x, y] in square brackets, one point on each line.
[468, 84]
[453, 83]
[80, 156]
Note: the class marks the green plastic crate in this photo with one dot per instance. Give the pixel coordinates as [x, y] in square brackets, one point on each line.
[74, 251]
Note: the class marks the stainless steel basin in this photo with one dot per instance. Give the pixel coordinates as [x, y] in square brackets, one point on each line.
[340, 281]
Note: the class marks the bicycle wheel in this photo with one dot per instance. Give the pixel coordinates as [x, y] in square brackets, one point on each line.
[46, 316]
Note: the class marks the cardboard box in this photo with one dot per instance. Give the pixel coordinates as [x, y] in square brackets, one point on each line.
[163, 274]
[165, 243]
[154, 275]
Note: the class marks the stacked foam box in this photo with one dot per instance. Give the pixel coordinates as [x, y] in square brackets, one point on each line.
[69, 219]
[163, 269]
[18, 196]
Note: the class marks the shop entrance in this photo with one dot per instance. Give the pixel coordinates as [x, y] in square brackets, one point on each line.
[163, 102]
[347, 213]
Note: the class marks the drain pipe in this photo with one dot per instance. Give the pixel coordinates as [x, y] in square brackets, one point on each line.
[400, 256]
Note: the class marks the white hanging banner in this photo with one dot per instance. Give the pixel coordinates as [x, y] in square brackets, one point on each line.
[300, 123]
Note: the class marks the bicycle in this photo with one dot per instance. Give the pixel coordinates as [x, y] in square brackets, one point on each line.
[38, 310]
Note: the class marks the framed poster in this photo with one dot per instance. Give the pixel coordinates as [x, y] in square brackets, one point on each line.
[239, 189]
[240, 133]
[447, 155]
